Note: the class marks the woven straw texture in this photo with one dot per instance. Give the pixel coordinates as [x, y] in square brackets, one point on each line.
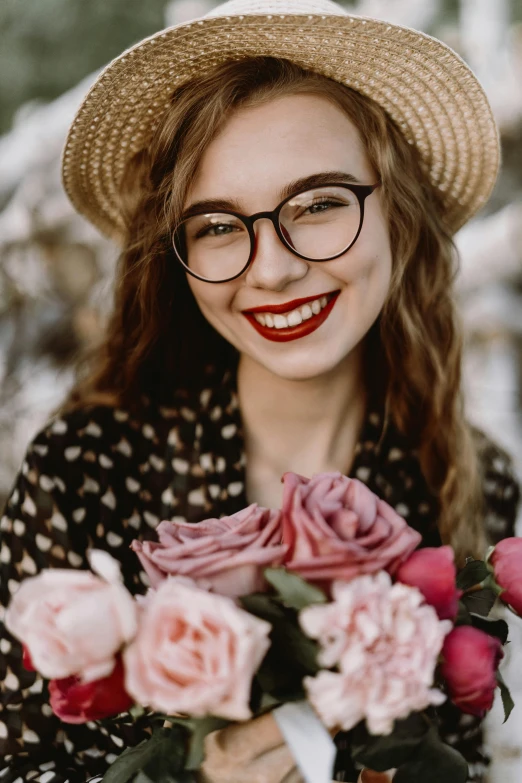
[424, 86]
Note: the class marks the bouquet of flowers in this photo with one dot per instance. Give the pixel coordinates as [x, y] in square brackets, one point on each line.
[325, 604]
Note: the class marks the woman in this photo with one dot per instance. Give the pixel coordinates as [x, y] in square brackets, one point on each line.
[284, 188]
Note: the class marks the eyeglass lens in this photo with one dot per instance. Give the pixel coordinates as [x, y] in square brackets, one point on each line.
[318, 224]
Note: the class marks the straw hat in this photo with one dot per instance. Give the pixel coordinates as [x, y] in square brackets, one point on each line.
[424, 86]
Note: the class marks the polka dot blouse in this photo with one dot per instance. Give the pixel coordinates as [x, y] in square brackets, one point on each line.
[102, 477]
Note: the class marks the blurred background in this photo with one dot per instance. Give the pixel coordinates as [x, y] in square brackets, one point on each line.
[56, 270]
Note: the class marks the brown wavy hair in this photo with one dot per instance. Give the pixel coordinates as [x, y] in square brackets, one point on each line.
[157, 340]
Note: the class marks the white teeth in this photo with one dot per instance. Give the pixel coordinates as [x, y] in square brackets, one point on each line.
[280, 322]
[294, 318]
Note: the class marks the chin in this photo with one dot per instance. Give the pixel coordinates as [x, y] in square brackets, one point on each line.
[302, 368]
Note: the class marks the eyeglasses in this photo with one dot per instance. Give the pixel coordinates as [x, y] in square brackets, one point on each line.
[319, 224]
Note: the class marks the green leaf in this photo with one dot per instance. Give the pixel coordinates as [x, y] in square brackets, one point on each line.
[507, 701]
[498, 628]
[293, 591]
[386, 752]
[480, 602]
[463, 615]
[262, 605]
[472, 574]
[199, 728]
[433, 762]
[292, 655]
[167, 746]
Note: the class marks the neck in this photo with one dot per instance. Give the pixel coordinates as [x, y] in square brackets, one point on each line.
[306, 426]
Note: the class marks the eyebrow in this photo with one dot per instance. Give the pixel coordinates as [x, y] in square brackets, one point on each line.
[296, 186]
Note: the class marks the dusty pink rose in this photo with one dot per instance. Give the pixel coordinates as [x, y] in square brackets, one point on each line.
[195, 652]
[226, 555]
[471, 659]
[74, 701]
[336, 528]
[506, 560]
[385, 641]
[432, 570]
[73, 622]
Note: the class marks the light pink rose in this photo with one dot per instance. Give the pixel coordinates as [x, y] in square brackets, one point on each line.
[385, 642]
[73, 622]
[226, 555]
[336, 528]
[195, 653]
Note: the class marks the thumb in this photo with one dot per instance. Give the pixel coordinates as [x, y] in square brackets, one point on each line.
[369, 776]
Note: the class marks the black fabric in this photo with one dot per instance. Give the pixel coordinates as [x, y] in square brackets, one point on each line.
[102, 477]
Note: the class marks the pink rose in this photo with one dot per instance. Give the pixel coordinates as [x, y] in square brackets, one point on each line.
[506, 560]
[195, 652]
[336, 528]
[73, 622]
[432, 571]
[226, 555]
[471, 659]
[385, 642]
[74, 701]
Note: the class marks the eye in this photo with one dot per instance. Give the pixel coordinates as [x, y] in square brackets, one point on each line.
[217, 230]
[322, 205]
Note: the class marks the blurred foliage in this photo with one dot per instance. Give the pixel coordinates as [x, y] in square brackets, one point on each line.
[47, 46]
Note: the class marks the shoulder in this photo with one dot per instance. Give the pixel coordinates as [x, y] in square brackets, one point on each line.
[501, 486]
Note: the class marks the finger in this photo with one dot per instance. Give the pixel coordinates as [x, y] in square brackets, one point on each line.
[272, 767]
[250, 739]
[275, 766]
[369, 776]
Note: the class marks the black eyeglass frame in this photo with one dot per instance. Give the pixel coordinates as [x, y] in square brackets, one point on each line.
[361, 192]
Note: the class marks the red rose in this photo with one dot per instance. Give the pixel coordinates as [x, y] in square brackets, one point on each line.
[337, 528]
[506, 560]
[74, 701]
[471, 658]
[432, 571]
[27, 661]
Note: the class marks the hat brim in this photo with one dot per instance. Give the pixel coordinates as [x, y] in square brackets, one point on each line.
[425, 87]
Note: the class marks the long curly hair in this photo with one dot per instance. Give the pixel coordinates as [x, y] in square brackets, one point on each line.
[157, 339]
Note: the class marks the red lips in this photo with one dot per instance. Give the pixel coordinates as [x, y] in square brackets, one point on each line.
[286, 307]
[291, 332]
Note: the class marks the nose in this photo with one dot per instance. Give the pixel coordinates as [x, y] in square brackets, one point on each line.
[273, 266]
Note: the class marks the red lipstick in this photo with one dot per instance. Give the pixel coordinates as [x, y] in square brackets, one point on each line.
[292, 332]
[286, 307]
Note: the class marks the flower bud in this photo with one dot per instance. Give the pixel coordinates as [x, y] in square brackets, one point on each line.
[470, 662]
[432, 571]
[506, 560]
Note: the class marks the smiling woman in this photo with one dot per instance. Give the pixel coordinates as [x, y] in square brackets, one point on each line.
[285, 207]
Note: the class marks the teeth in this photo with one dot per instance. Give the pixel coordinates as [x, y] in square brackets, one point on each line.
[293, 318]
[280, 322]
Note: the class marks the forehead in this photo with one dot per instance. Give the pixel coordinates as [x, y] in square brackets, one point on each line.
[261, 148]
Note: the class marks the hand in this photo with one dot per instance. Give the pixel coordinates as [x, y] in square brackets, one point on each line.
[251, 752]
[255, 752]
[369, 776]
